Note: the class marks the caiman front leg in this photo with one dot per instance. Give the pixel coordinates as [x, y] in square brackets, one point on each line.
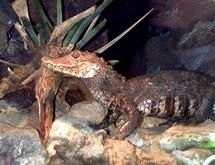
[110, 118]
[75, 84]
[135, 119]
[120, 105]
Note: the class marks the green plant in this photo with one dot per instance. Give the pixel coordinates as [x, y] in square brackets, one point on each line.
[71, 33]
[207, 145]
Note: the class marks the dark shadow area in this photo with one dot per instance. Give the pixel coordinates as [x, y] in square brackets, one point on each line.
[178, 36]
[120, 15]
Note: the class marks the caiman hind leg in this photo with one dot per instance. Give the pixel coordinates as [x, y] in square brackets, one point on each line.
[118, 106]
[204, 111]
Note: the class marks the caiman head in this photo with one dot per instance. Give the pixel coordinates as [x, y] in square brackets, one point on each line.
[77, 63]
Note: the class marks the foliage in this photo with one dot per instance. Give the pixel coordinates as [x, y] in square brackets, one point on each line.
[208, 145]
[69, 32]
[41, 33]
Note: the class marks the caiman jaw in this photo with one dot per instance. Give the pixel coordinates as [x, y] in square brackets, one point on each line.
[80, 69]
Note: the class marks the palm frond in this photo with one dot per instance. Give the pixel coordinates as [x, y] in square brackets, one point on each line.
[90, 35]
[42, 13]
[70, 34]
[59, 12]
[84, 25]
[109, 44]
[30, 30]
[61, 30]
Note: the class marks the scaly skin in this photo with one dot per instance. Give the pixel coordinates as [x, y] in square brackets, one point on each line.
[176, 94]
[166, 94]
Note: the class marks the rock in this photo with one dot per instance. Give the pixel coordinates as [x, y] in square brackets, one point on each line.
[136, 139]
[156, 156]
[121, 152]
[148, 135]
[72, 140]
[181, 44]
[14, 117]
[161, 47]
[16, 100]
[195, 51]
[191, 156]
[21, 146]
[150, 122]
[7, 19]
[210, 160]
[80, 149]
[92, 112]
[181, 137]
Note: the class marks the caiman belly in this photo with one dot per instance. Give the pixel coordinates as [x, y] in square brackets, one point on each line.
[176, 94]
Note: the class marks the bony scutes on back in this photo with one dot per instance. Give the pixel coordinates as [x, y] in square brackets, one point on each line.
[77, 63]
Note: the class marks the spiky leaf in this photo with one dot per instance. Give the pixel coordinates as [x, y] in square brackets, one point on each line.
[42, 13]
[43, 33]
[112, 42]
[29, 28]
[208, 145]
[84, 25]
[59, 12]
[69, 35]
[90, 34]
[61, 30]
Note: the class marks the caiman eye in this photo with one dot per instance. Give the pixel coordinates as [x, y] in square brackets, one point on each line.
[76, 55]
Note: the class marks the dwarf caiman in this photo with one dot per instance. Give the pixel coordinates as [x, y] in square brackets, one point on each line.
[176, 94]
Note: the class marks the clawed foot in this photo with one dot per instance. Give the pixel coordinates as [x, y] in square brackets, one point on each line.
[100, 131]
[93, 125]
[96, 126]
